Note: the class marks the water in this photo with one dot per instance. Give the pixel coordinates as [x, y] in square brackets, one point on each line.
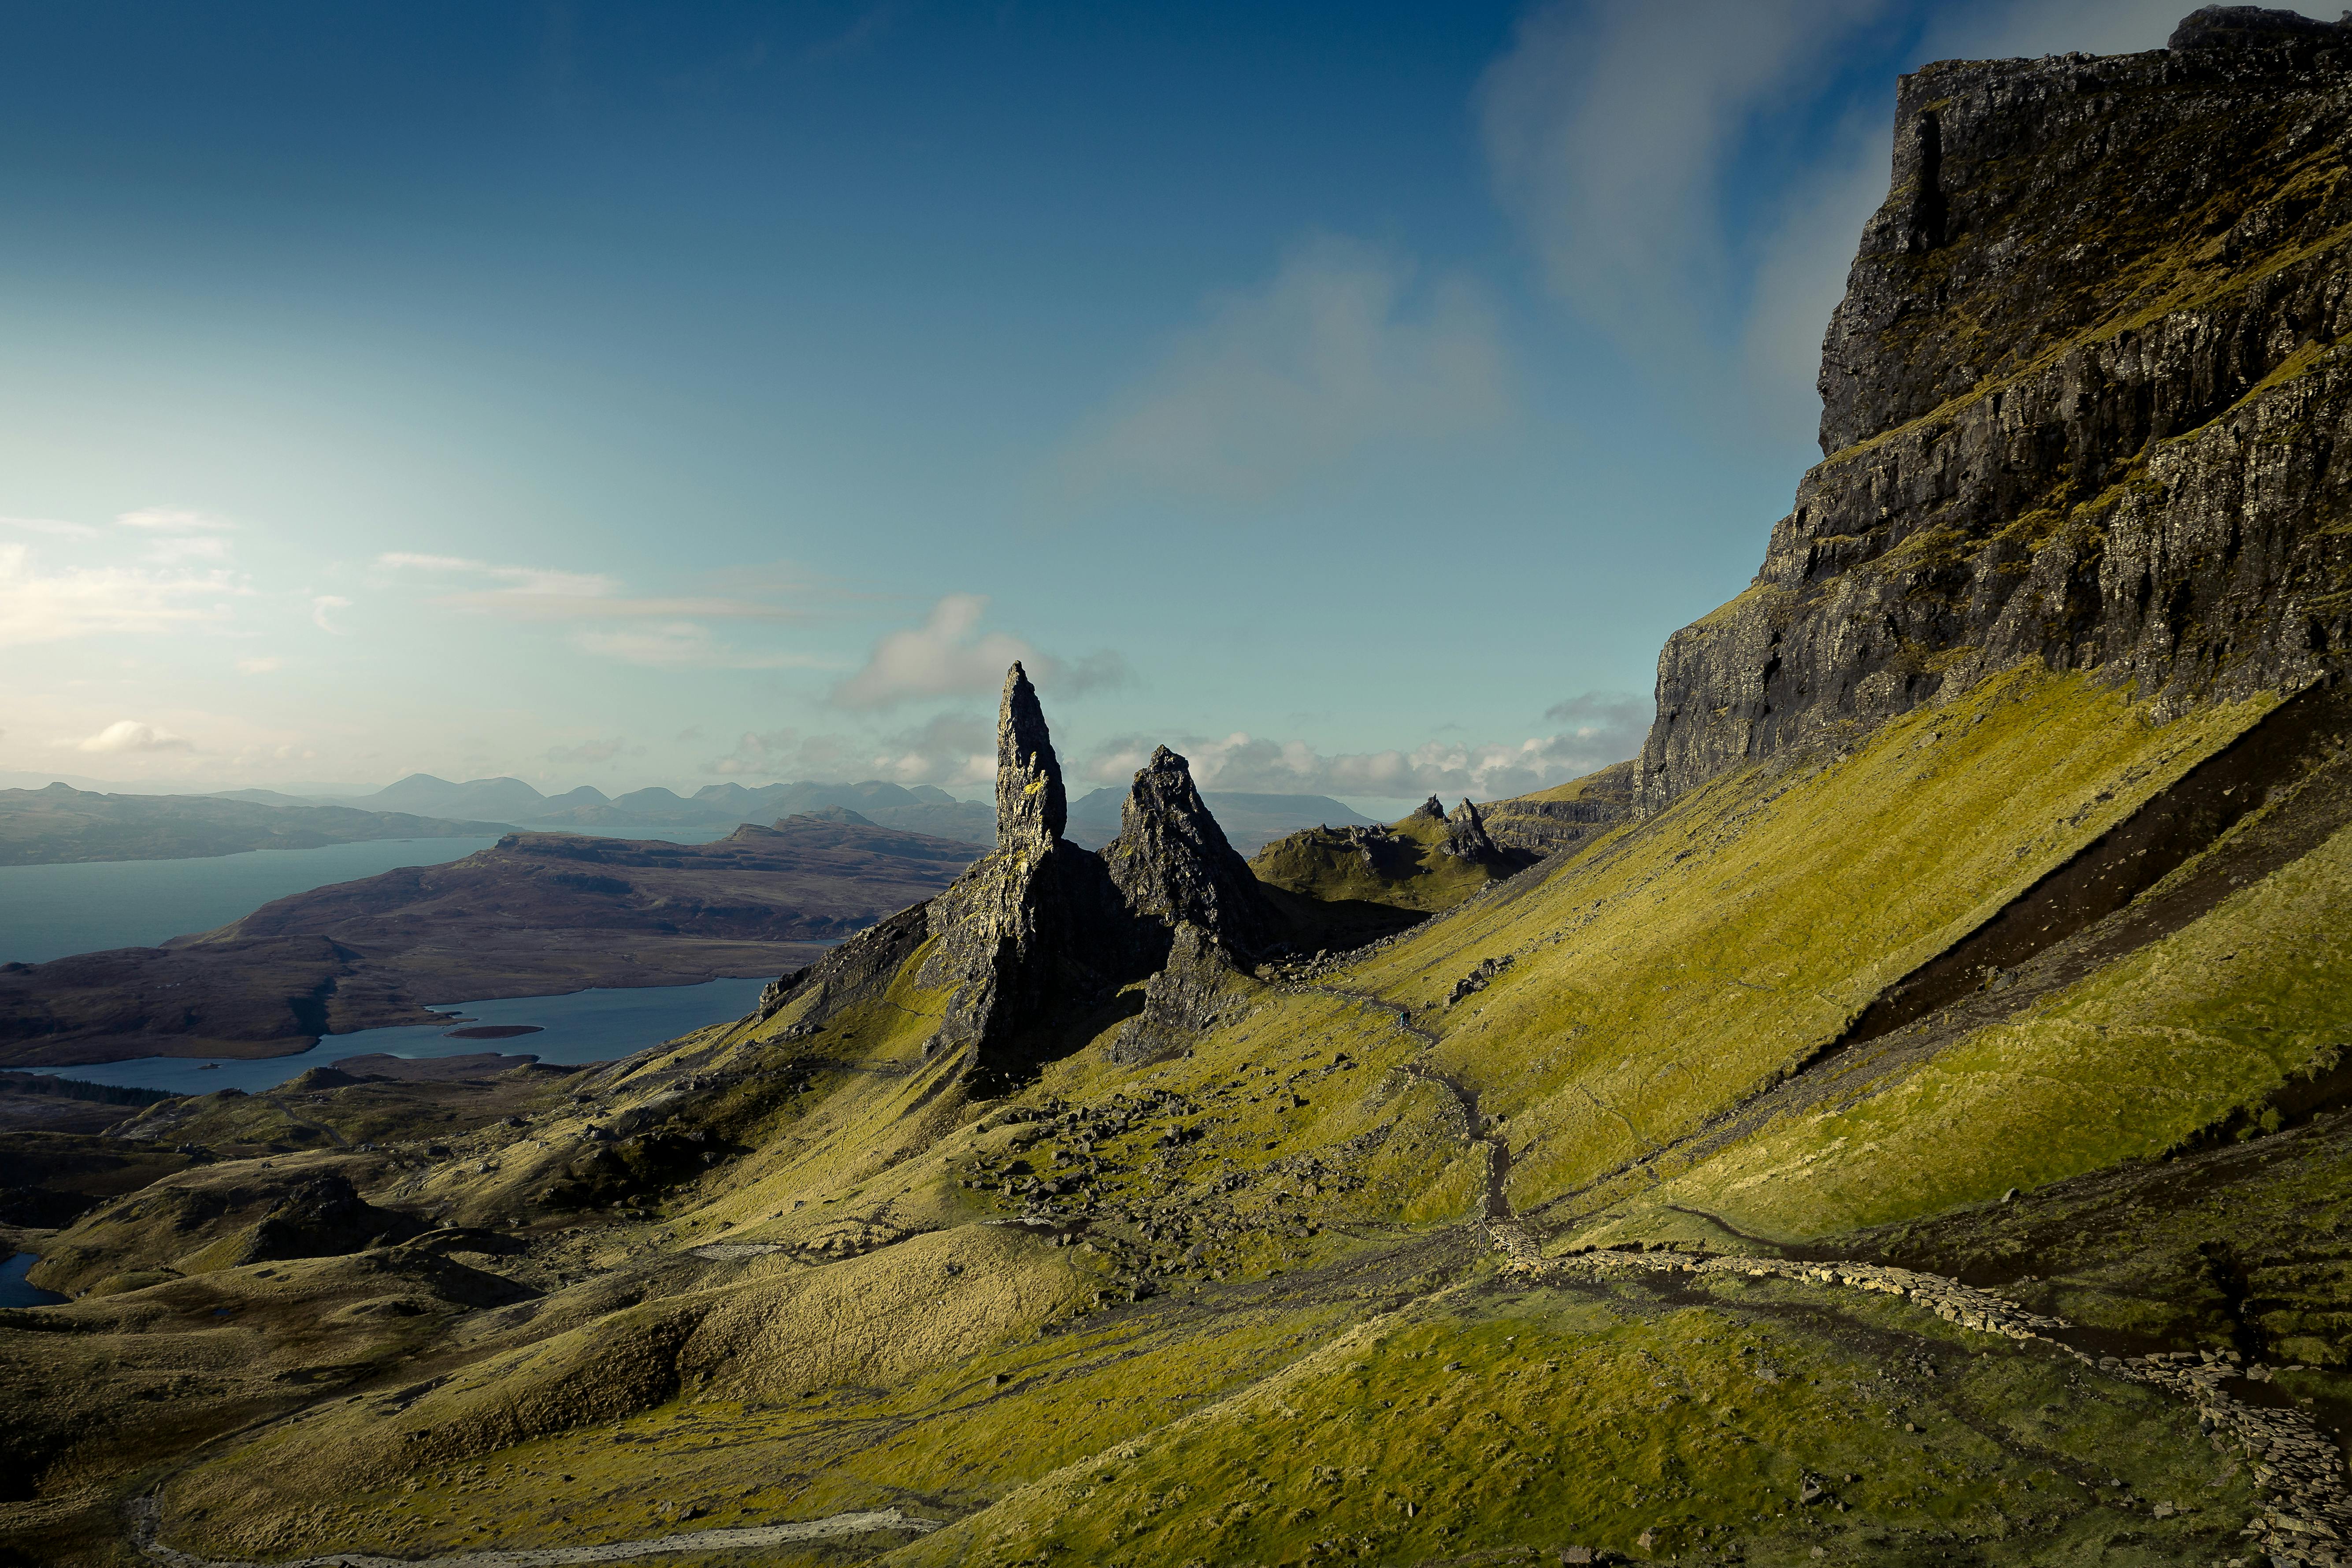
[583, 1026]
[87, 906]
[16, 1291]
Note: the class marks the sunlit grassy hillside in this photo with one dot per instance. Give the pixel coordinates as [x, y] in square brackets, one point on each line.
[1249, 1307]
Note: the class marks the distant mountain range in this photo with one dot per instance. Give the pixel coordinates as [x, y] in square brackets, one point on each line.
[1250, 821]
[45, 826]
[922, 809]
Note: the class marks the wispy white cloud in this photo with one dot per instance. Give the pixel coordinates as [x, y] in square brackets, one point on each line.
[684, 644]
[756, 755]
[950, 749]
[130, 735]
[260, 664]
[1338, 351]
[547, 592]
[783, 754]
[1800, 275]
[949, 656]
[173, 520]
[1596, 730]
[652, 632]
[50, 525]
[519, 590]
[1609, 130]
[1612, 129]
[171, 550]
[39, 607]
[322, 611]
[1105, 669]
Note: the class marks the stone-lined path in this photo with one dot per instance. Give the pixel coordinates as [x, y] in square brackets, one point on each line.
[2287, 1452]
[736, 1539]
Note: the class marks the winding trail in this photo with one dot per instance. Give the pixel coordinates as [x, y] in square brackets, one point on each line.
[1398, 1014]
[757, 1536]
[1493, 1204]
[2287, 1452]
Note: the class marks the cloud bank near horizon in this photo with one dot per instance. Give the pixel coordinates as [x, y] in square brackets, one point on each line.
[1598, 730]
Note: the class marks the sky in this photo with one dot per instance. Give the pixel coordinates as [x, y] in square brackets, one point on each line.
[1351, 396]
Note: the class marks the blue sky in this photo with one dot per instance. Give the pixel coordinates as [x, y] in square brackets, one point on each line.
[1352, 395]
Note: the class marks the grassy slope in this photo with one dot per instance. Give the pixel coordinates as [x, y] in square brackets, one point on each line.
[1497, 1420]
[1612, 779]
[2123, 1065]
[1657, 979]
[1318, 863]
[1676, 968]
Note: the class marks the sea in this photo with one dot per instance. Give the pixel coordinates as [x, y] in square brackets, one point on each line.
[87, 906]
[53, 911]
[581, 1026]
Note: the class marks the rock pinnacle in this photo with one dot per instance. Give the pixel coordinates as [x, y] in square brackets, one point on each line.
[1173, 863]
[1030, 805]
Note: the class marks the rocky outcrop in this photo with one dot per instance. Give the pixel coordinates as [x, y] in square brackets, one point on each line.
[1033, 938]
[1171, 864]
[1564, 818]
[2081, 403]
[856, 971]
[2238, 26]
[1039, 944]
[1186, 997]
[1466, 836]
[321, 1215]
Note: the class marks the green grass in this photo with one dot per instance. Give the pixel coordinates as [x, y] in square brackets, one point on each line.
[2121, 1066]
[1324, 863]
[1489, 1423]
[1675, 968]
[1247, 1412]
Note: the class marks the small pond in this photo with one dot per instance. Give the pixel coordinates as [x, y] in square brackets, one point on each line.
[16, 1291]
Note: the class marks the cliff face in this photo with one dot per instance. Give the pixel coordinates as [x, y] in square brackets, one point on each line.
[2083, 402]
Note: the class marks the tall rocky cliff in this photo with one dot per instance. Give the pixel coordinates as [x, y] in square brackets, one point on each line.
[2083, 402]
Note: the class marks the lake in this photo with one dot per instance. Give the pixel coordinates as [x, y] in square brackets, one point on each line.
[16, 1291]
[87, 906]
[583, 1026]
